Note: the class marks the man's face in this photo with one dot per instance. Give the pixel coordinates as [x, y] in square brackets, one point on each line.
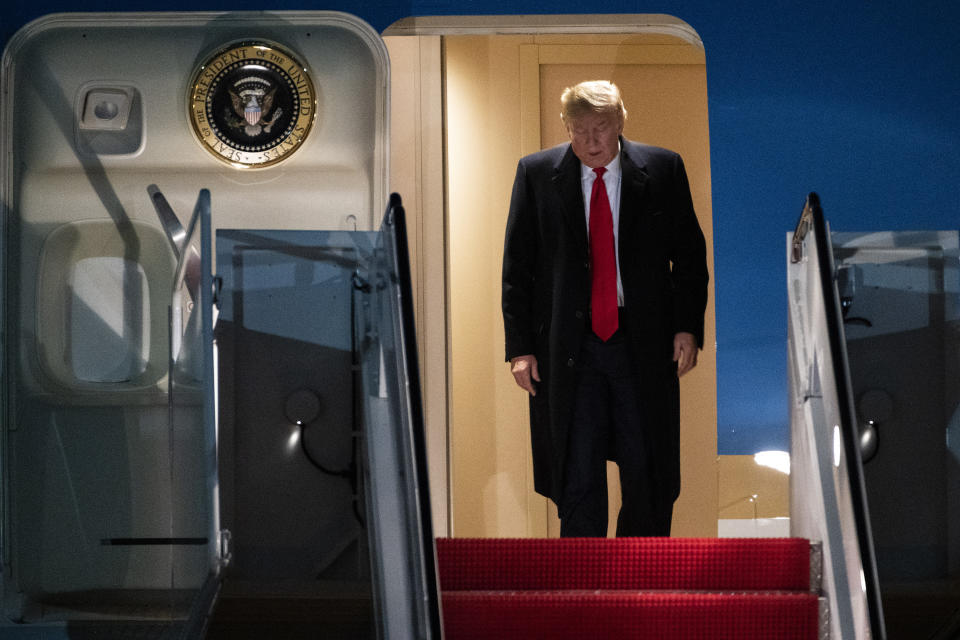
[594, 138]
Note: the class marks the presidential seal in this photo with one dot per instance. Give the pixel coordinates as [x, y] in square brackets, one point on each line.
[252, 104]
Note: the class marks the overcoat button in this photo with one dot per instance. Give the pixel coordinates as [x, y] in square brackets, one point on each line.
[570, 362]
[579, 314]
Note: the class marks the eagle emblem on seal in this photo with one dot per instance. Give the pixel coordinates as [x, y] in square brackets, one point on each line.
[252, 103]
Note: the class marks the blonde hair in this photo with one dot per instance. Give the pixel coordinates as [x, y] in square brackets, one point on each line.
[592, 96]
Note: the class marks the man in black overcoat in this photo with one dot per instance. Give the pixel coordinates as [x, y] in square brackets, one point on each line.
[597, 395]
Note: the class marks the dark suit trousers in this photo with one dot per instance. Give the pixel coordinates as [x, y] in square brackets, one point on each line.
[608, 419]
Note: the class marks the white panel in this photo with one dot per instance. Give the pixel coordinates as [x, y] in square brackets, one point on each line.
[109, 319]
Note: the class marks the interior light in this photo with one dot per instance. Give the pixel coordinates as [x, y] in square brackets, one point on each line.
[294, 440]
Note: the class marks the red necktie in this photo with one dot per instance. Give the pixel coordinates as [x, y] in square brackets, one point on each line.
[603, 261]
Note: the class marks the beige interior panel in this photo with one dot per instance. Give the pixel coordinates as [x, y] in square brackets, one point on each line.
[491, 469]
[416, 173]
[750, 490]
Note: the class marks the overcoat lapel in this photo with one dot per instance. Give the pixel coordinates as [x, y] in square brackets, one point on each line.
[633, 187]
[566, 178]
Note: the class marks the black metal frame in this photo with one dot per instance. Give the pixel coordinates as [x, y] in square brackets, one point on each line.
[812, 219]
[394, 230]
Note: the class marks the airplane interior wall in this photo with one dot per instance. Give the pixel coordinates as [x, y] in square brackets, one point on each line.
[856, 101]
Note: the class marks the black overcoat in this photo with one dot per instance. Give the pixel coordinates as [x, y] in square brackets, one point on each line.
[546, 294]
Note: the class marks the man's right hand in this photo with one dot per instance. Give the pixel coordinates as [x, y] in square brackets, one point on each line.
[525, 372]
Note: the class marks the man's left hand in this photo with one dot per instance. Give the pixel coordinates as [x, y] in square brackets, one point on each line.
[684, 352]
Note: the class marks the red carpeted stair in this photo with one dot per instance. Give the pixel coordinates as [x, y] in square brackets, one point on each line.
[671, 588]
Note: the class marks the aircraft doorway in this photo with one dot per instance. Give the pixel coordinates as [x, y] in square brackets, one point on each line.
[500, 80]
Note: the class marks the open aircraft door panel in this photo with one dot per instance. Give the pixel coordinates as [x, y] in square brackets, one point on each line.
[117, 477]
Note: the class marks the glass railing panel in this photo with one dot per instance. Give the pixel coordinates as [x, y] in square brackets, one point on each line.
[291, 467]
[322, 465]
[899, 298]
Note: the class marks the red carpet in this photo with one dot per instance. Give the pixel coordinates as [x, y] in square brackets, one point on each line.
[720, 564]
[671, 588]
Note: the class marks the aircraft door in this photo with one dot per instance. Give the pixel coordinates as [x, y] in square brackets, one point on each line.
[663, 80]
[108, 452]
